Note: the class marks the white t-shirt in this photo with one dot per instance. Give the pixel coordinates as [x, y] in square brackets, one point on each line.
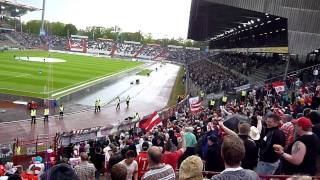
[74, 161]
[133, 167]
[315, 72]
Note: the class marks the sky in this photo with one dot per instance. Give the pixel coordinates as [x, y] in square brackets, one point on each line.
[161, 18]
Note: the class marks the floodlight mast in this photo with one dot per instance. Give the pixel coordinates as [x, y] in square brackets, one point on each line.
[42, 19]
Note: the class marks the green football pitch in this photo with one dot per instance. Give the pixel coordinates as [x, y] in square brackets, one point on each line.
[53, 80]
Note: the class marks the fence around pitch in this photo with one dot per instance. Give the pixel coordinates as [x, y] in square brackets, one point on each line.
[24, 150]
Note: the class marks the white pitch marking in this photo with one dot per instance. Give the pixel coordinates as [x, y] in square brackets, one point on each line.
[22, 75]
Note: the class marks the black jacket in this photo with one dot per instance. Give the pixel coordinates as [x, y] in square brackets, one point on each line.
[250, 159]
[213, 159]
[272, 136]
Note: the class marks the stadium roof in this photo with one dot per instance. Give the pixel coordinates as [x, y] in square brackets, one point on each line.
[302, 18]
[13, 6]
[207, 19]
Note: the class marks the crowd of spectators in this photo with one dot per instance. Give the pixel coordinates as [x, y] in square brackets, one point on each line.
[26, 40]
[212, 78]
[127, 49]
[30, 41]
[243, 63]
[184, 56]
[100, 46]
[264, 132]
[150, 51]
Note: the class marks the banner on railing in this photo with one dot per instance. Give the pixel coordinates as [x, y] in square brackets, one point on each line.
[241, 88]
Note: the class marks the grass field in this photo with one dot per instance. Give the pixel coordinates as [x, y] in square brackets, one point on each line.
[178, 88]
[28, 78]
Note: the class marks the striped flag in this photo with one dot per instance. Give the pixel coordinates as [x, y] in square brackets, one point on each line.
[279, 86]
[195, 104]
[150, 123]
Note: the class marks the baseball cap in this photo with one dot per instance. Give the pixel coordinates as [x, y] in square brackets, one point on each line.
[303, 122]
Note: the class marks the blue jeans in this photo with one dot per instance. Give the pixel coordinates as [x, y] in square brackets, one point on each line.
[266, 168]
[97, 175]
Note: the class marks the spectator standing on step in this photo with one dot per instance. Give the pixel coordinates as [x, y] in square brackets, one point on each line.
[301, 156]
[158, 170]
[142, 159]
[268, 158]
[233, 152]
[85, 170]
[131, 165]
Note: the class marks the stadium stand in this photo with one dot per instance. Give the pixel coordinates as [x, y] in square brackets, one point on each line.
[211, 78]
[202, 133]
[149, 51]
[6, 42]
[278, 120]
[101, 46]
[128, 48]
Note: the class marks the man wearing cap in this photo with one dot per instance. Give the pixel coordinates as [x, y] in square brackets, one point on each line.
[142, 159]
[301, 157]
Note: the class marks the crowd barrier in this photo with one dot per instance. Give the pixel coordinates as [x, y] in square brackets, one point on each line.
[24, 150]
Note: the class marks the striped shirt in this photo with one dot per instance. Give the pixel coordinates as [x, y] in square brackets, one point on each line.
[85, 171]
[160, 172]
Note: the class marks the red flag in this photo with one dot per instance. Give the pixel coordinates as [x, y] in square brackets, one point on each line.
[195, 108]
[278, 86]
[153, 121]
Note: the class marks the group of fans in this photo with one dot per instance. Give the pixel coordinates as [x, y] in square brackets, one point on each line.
[265, 130]
[184, 56]
[127, 49]
[262, 131]
[213, 79]
[241, 62]
[33, 41]
[110, 47]
[101, 45]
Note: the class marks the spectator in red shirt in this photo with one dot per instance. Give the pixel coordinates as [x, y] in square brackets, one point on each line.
[142, 160]
[2, 170]
[170, 157]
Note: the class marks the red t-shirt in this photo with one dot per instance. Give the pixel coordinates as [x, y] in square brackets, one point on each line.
[172, 158]
[142, 160]
[2, 170]
[26, 176]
